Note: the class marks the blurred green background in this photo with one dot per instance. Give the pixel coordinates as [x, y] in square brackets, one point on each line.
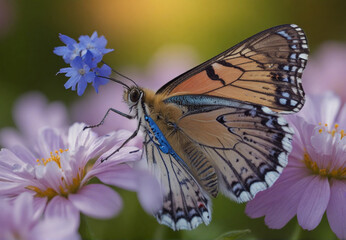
[136, 29]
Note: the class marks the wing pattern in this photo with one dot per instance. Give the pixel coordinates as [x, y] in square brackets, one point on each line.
[185, 205]
[265, 69]
[249, 146]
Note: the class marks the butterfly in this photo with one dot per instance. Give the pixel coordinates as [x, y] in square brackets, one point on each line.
[216, 128]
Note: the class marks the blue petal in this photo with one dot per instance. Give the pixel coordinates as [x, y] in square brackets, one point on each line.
[66, 39]
[94, 35]
[105, 70]
[81, 87]
[71, 83]
[101, 42]
[61, 51]
[88, 59]
[89, 77]
[64, 70]
[77, 63]
[106, 50]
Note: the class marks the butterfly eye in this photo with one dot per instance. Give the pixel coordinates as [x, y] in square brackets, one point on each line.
[134, 95]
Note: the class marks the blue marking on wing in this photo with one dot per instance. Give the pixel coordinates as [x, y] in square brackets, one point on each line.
[164, 145]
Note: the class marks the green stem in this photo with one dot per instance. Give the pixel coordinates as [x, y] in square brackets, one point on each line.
[84, 229]
[296, 232]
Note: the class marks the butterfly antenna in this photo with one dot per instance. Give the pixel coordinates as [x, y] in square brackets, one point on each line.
[114, 80]
[122, 75]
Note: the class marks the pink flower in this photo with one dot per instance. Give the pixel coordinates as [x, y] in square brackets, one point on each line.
[57, 169]
[314, 180]
[326, 70]
[168, 63]
[19, 220]
[32, 112]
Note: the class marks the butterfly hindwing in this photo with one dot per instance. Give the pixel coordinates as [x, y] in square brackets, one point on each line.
[264, 69]
[248, 144]
[185, 204]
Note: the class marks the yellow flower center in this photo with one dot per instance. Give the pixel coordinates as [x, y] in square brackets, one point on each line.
[339, 173]
[65, 187]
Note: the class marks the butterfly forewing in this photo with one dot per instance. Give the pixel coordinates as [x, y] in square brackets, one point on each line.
[265, 69]
[185, 204]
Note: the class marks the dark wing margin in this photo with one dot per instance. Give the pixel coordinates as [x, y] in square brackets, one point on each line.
[185, 204]
[264, 69]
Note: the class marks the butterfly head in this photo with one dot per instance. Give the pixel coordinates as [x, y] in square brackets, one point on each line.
[133, 96]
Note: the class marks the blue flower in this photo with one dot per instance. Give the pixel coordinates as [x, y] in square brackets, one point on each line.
[105, 71]
[80, 73]
[70, 51]
[96, 45]
[84, 57]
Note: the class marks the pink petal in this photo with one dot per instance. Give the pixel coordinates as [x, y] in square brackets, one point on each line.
[313, 203]
[23, 210]
[336, 211]
[342, 117]
[146, 185]
[276, 196]
[32, 112]
[77, 137]
[97, 201]
[49, 175]
[126, 154]
[8, 158]
[39, 205]
[11, 189]
[62, 208]
[10, 137]
[5, 217]
[279, 214]
[55, 229]
[111, 141]
[49, 141]
[120, 175]
[279, 203]
[149, 192]
[321, 108]
[24, 155]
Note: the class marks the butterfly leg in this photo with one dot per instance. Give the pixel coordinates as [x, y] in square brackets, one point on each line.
[103, 119]
[134, 134]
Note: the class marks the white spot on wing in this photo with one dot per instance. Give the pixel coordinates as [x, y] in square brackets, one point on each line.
[283, 101]
[303, 56]
[244, 197]
[282, 159]
[271, 177]
[285, 94]
[182, 224]
[257, 187]
[195, 221]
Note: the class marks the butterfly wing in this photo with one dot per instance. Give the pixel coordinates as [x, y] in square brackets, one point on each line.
[185, 205]
[247, 144]
[264, 69]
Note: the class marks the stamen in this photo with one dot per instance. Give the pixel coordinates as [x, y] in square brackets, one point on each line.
[55, 158]
[339, 173]
[332, 132]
